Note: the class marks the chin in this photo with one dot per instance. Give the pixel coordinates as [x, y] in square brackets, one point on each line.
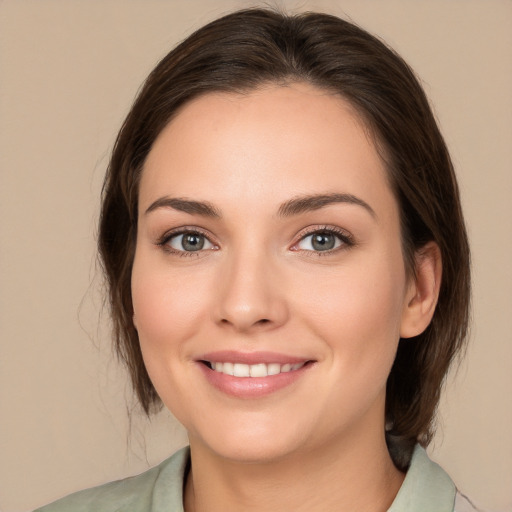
[251, 443]
[253, 452]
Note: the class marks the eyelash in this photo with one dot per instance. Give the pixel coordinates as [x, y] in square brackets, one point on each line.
[346, 239]
[169, 235]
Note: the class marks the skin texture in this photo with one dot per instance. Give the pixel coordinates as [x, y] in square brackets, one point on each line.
[259, 285]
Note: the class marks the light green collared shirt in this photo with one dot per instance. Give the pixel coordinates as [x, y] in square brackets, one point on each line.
[426, 488]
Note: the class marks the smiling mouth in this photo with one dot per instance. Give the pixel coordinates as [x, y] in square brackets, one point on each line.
[253, 370]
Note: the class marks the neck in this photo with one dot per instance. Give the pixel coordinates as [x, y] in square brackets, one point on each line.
[347, 476]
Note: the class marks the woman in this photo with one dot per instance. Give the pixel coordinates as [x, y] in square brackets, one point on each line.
[288, 267]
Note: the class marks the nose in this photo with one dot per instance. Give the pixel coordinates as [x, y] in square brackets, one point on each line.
[251, 295]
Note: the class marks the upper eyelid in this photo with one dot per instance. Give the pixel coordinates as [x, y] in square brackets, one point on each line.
[165, 237]
[324, 229]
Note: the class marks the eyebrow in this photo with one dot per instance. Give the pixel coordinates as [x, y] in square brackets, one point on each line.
[185, 205]
[294, 206]
[308, 203]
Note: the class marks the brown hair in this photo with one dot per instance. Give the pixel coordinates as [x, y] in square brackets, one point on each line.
[246, 49]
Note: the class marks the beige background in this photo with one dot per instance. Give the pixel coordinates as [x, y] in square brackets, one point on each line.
[69, 71]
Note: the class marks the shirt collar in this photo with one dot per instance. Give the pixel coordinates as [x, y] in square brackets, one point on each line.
[426, 487]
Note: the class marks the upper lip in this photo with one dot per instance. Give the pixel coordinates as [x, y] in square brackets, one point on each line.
[234, 356]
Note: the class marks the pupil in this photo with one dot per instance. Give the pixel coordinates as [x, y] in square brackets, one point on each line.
[193, 242]
[323, 242]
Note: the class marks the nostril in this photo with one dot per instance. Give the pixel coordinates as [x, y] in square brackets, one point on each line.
[246, 322]
[262, 321]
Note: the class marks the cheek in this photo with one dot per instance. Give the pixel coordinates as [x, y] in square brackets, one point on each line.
[165, 304]
[168, 309]
[169, 312]
[357, 312]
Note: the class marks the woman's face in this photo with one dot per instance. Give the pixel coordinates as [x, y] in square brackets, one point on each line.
[268, 284]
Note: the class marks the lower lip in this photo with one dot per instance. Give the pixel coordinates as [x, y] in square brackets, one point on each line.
[252, 387]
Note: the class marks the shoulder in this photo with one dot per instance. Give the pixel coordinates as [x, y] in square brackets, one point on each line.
[143, 493]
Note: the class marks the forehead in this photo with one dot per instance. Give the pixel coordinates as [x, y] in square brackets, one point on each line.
[273, 142]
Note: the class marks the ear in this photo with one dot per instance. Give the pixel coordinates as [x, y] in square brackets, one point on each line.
[423, 291]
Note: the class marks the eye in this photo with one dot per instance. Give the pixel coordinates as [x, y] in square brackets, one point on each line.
[323, 240]
[189, 241]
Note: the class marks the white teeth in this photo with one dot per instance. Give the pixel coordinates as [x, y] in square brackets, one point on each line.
[240, 370]
[254, 370]
[273, 369]
[258, 370]
[227, 368]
